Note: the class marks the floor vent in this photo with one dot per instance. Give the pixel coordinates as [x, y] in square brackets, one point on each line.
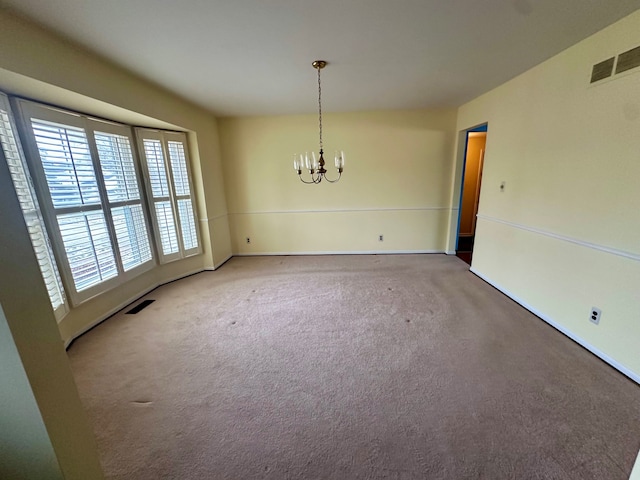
[140, 306]
[628, 60]
[602, 70]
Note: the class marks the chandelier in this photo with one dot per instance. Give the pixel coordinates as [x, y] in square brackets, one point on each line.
[315, 165]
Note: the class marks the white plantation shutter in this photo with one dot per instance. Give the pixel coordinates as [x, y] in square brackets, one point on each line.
[30, 210]
[170, 192]
[67, 164]
[132, 235]
[161, 199]
[187, 224]
[15, 163]
[157, 171]
[48, 267]
[88, 247]
[166, 228]
[86, 174]
[73, 187]
[118, 167]
[178, 167]
[183, 194]
[123, 194]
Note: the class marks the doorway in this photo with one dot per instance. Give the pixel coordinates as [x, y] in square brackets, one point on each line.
[470, 192]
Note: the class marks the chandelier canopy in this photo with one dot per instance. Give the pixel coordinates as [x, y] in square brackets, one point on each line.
[315, 165]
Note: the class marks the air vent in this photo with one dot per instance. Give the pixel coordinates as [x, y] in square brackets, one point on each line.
[140, 306]
[628, 60]
[602, 70]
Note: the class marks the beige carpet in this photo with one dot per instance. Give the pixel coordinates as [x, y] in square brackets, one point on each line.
[349, 367]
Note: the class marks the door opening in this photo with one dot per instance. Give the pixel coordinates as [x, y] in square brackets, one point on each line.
[470, 192]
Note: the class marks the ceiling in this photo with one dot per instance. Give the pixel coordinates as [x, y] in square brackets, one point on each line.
[253, 57]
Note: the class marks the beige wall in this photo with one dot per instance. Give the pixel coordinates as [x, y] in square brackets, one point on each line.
[396, 182]
[44, 432]
[26, 448]
[565, 234]
[39, 65]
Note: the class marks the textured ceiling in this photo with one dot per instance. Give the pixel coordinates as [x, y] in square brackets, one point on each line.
[253, 57]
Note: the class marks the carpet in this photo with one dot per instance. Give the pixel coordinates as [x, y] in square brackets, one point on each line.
[349, 367]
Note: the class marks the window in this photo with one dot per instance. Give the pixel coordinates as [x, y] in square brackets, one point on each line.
[30, 209]
[124, 197]
[89, 187]
[91, 200]
[166, 163]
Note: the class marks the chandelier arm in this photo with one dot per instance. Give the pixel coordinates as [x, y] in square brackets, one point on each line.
[313, 179]
[304, 181]
[333, 181]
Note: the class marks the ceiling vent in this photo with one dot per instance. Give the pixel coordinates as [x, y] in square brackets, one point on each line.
[628, 60]
[602, 70]
[624, 62]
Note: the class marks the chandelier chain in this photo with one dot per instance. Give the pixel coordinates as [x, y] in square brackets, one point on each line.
[320, 108]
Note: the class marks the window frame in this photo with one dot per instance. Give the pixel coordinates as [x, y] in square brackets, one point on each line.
[165, 136]
[26, 110]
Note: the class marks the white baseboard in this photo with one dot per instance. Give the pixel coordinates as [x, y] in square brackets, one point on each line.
[123, 304]
[228, 257]
[450, 252]
[211, 269]
[621, 368]
[359, 252]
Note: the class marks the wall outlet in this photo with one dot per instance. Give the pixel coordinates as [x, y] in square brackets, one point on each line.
[595, 315]
[248, 240]
[381, 238]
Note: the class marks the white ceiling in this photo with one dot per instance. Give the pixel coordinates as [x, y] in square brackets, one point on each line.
[253, 57]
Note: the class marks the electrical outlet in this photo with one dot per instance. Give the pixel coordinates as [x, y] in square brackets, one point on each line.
[595, 315]
[248, 240]
[381, 238]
